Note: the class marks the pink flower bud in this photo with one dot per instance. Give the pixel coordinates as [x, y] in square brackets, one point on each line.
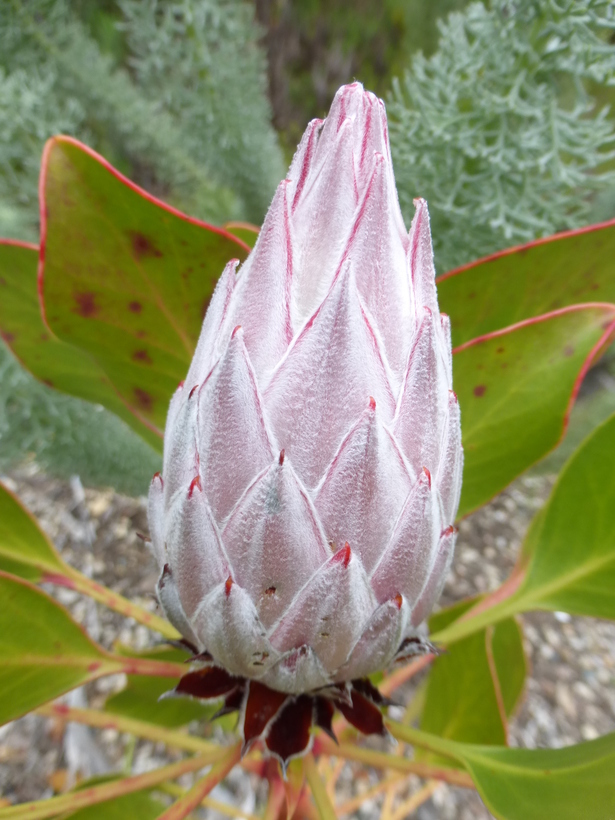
[312, 460]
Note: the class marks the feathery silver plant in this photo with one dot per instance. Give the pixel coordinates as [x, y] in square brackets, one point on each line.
[497, 129]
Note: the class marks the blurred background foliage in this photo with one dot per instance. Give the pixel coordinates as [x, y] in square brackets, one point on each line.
[499, 116]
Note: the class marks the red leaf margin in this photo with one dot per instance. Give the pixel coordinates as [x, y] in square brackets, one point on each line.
[49, 145]
[592, 358]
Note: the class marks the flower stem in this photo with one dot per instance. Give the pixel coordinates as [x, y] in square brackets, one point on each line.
[140, 728]
[319, 792]
[381, 760]
[400, 676]
[71, 802]
[194, 797]
[352, 804]
[416, 800]
[222, 808]
[73, 579]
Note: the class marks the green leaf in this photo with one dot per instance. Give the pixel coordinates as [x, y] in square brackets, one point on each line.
[134, 806]
[525, 282]
[568, 557]
[474, 687]
[43, 652]
[56, 363]
[125, 277]
[510, 662]
[567, 784]
[140, 697]
[515, 390]
[534, 784]
[244, 231]
[570, 548]
[24, 549]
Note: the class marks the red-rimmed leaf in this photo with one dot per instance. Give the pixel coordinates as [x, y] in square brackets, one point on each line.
[25, 550]
[569, 552]
[50, 360]
[516, 388]
[476, 684]
[44, 652]
[123, 276]
[527, 281]
[568, 558]
[533, 784]
[244, 231]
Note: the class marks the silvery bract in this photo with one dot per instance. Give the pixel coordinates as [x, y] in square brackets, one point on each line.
[312, 457]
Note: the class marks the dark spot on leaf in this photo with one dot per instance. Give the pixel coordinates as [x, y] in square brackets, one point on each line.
[144, 400]
[569, 350]
[141, 334]
[44, 337]
[595, 286]
[142, 356]
[500, 350]
[472, 295]
[86, 304]
[7, 336]
[135, 307]
[143, 246]
[479, 390]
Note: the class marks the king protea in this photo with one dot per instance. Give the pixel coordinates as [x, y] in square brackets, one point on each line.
[312, 457]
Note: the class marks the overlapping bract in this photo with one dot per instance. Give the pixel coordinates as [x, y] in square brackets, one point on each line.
[312, 463]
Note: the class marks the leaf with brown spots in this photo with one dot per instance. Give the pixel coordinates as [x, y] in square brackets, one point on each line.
[125, 277]
[55, 363]
[528, 281]
[44, 652]
[516, 388]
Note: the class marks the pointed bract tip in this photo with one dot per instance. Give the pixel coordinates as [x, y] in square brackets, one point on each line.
[159, 477]
[372, 403]
[281, 459]
[165, 575]
[236, 330]
[453, 397]
[448, 531]
[192, 391]
[427, 475]
[180, 385]
[194, 484]
[398, 600]
[228, 585]
[343, 555]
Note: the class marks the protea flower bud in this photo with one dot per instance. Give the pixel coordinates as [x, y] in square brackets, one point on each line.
[312, 457]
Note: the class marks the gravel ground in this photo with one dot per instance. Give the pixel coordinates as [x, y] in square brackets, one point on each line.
[569, 697]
